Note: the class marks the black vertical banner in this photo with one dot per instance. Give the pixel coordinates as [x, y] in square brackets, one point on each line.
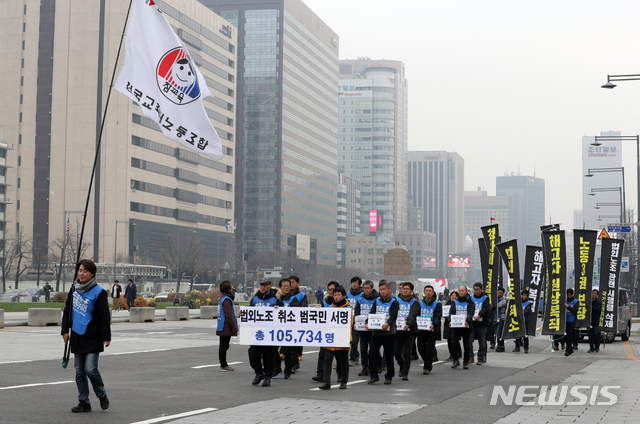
[484, 261]
[555, 256]
[584, 245]
[532, 281]
[610, 282]
[491, 237]
[514, 325]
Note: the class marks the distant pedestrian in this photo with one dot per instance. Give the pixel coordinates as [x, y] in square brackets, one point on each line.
[85, 325]
[130, 293]
[116, 290]
[47, 292]
[227, 323]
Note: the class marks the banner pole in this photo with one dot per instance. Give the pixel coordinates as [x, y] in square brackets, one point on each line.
[95, 160]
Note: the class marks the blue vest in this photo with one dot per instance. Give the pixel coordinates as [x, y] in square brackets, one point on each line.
[427, 311]
[298, 296]
[524, 305]
[221, 315]
[479, 302]
[571, 317]
[287, 302]
[326, 304]
[256, 301]
[383, 307]
[499, 310]
[83, 306]
[353, 299]
[404, 307]
[365, 305]
[461, 307]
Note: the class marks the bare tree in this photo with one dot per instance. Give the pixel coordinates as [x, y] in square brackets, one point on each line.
[182, 254]
[21, 245]
[7, 260]
[64, 251]
[39, 256]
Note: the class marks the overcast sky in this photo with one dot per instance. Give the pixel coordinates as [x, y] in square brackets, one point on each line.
[511, 86]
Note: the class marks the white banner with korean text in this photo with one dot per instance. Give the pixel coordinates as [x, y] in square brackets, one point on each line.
[324, 327]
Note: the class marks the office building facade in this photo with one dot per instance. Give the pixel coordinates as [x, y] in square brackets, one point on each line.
[147, 189]
[349, 214]
[373, 138]
[286, 129]
[436, 185]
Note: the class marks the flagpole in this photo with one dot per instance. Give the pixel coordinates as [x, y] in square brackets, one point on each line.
[95, 160]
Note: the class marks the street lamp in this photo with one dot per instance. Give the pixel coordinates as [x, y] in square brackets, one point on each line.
[610, 85]
[621, 204]
[115, 247]
[592, 171]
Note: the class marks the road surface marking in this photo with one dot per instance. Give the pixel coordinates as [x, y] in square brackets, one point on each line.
[172, 417]
[312, 351]
[630, 354]
[137, 351]
[35, 385]
[16, 362]
[214, 365]
[338, 385]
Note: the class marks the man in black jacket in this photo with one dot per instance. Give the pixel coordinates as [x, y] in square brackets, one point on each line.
[463, 305]
[480, 321]
[429, 308]
[596, 309]
[130, 293]
[386, 337]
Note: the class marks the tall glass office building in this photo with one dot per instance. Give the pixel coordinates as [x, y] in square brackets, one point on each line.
[286, 129]
[372, 140]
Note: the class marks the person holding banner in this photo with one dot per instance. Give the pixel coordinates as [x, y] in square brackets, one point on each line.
[480, 321]
[340, 353]
[461, 314]
[526, 308]
[572, 309]
[407, 328]
[261, 358]
[326, 303]
[501, 309]
[384, 336]
[594, 333]
[286, 352]
[353, 295]
[303, 301]
[363, 306]
[428, 327]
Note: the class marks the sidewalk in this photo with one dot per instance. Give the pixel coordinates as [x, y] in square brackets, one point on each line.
[20, 319]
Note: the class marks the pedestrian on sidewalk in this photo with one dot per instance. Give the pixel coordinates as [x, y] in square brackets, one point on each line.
[116, 291]
[227, 323]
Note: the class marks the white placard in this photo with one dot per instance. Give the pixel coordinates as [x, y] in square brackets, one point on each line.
[477, 314]
[445, 311]
[457, 321]
[360, 322]
[424, 323]
[400, 323]
[376, 321]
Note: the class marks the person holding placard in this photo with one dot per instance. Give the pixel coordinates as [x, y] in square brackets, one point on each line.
[407, 328]
[361, 311]
[382, 323]
[428, 327]
[353, 295]
[340, 353]
[326, 303]
[286, 352]
[480, 321]
[447, 329]
[461, 313]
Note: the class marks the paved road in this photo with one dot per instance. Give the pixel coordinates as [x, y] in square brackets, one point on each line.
[165, 371]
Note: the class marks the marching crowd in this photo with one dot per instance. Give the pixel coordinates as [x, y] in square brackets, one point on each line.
[379, 350]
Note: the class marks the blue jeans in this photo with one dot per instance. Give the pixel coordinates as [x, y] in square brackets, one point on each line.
[86, 365]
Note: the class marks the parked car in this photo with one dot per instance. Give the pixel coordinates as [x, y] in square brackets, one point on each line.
[16, 295]
[162, 297]
[624, 321]
[34, 292]
[146, 294]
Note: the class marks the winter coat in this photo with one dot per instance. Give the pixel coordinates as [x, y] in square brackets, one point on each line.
[98, 330]
[596, 310]
[230, 328]
[343, 304]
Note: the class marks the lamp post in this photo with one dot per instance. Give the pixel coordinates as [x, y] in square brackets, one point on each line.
[64, 248]
[115, 247]
[610, 78]
[622, 205]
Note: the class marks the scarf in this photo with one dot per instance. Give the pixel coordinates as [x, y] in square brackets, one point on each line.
[81, 288]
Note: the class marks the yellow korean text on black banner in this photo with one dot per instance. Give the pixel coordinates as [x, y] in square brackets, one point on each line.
[555, 256]
[514, 325]
[610, 282]
[584, 244]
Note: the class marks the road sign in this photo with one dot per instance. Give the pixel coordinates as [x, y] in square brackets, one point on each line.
[249, 275]
[603, 234]
[624, 265]
[619, 228]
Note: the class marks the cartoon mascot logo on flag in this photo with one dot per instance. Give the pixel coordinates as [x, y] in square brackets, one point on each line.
[176, 77]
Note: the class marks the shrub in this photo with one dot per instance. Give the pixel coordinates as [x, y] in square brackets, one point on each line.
[140, 302]
[171, 296]
[152, 304]
[189, 302]
[121, 303]
[59, 297]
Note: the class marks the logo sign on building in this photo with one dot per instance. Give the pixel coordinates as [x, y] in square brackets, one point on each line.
[459, 260]
[373, 220]
[227, 30]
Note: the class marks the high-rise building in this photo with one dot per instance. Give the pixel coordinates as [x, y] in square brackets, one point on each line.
[527, 196]
[436, 185]
[287, 128]
[349, 214]
[373, 138]
[602, 193]
[421, 245]
[59, 61]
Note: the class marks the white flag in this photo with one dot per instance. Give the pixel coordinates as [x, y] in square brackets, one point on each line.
[160, 76]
